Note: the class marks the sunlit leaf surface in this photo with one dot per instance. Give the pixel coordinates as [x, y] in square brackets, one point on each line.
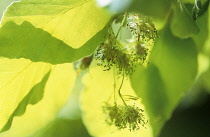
[52, 31]
[3, 6]
[26, 41]
[24, 82]
[64, 20]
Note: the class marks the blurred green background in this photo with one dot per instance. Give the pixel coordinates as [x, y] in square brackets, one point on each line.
[190, 118]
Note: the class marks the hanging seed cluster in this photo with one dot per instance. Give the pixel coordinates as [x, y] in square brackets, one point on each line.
[125, 58]
[141, 27]
[138, 52]
[110, 53]
[123, 117]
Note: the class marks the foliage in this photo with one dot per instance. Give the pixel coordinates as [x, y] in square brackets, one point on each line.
[137, 57]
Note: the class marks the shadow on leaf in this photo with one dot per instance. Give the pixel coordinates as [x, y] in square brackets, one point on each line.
[26, 41]
[33, 97]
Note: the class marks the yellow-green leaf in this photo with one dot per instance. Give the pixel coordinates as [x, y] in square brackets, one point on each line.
[33, 97]
[73, 22]
[52, 31]
[23, 82]
[26, 41]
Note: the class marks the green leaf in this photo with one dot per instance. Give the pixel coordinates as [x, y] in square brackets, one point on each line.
[206, 50]
[17, 77]
[182, 24]
[63, 128]
[26, 41]
[63, 26]
[150, 86]
[206, 78]
[203, 36]
[171, 72]
[3, 6]
[158, 9]
[188, 1]
[23, 82]
[64, 20]
[33, 97]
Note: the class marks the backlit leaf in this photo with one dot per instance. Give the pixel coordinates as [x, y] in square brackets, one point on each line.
[26, 41]
[52, 31]
[23, 82]
[64, 20]
[182, 24]
[156, 8]
[171, 72]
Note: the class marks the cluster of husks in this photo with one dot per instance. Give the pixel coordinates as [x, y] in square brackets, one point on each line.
[141, 27]
[125, 58]
[122, 116]
[110, 53]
